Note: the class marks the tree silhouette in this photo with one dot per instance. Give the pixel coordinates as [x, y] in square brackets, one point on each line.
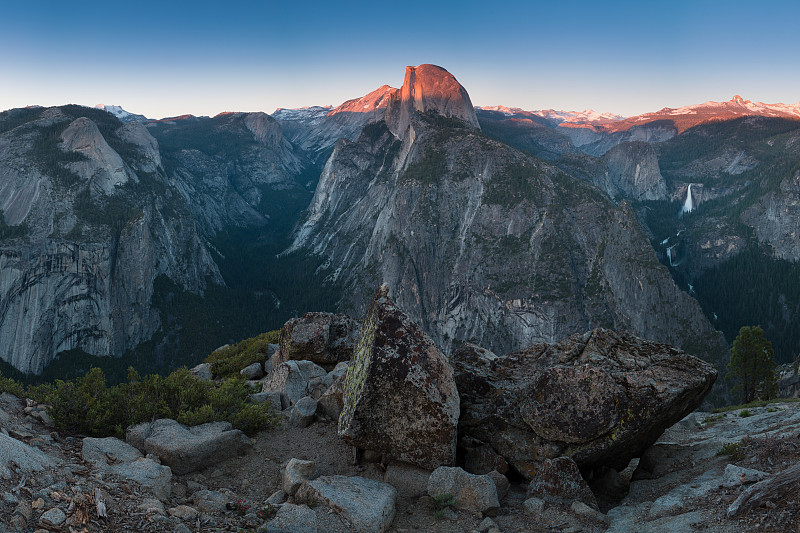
[752, 365]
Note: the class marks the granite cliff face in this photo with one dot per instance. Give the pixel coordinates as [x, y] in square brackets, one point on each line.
[232, 170]
[633, 172]
[776, 218]
[96, 233]
[480, 242]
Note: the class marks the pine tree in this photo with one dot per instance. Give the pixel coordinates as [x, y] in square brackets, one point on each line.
[752, 365]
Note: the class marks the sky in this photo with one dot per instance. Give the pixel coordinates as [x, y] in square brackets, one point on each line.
[172, 57]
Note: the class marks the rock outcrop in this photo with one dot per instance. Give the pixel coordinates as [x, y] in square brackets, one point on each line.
[399, 395]
[559, 481]
[600, 398]
[113, 456]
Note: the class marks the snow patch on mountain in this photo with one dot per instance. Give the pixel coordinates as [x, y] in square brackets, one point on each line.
[124, 116]
[587, 116]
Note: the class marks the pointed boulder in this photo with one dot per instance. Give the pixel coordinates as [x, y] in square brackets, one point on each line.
[400, 397]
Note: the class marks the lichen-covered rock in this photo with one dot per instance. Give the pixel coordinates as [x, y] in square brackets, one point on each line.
[400, 397]
[409, 480]
[253, 371]
[323, 338]
[480, 458]
[600, 398]
[202, 371]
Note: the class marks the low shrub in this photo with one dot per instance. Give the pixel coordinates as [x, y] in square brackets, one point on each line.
[88, 406]
[442, 502]
[744, 413]
[11, 387]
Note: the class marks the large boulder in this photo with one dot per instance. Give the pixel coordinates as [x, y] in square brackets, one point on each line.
[116, 457]
[368, 505]
[400, 397]
[188, 449]
[26, 459]
[600, 398]
[323, 338]
[470, 491]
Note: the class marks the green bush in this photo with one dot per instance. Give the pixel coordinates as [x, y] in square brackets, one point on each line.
[226, 362]
[744, 413]
[88, 406]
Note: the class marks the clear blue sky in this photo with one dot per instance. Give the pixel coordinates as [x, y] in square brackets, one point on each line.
[174, 57]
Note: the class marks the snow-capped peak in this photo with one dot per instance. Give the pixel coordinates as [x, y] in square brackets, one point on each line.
[120, 113]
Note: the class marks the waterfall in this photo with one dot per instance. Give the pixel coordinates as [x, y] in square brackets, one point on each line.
[688, 206]
[672, 261]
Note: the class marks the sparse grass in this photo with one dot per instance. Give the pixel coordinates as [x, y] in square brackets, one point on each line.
[744, 413]
[713, 419]
[227, 362]
[734, 450]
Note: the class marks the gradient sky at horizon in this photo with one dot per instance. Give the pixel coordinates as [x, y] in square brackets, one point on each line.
[170, 58]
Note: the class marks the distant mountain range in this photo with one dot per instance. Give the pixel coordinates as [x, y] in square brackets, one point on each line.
[490, 224]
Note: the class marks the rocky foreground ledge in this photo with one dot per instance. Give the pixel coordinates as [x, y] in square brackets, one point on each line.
[565, 437]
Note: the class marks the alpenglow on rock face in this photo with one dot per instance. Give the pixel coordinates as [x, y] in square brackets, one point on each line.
[429, 89]
[600, 398]
[400, 397]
